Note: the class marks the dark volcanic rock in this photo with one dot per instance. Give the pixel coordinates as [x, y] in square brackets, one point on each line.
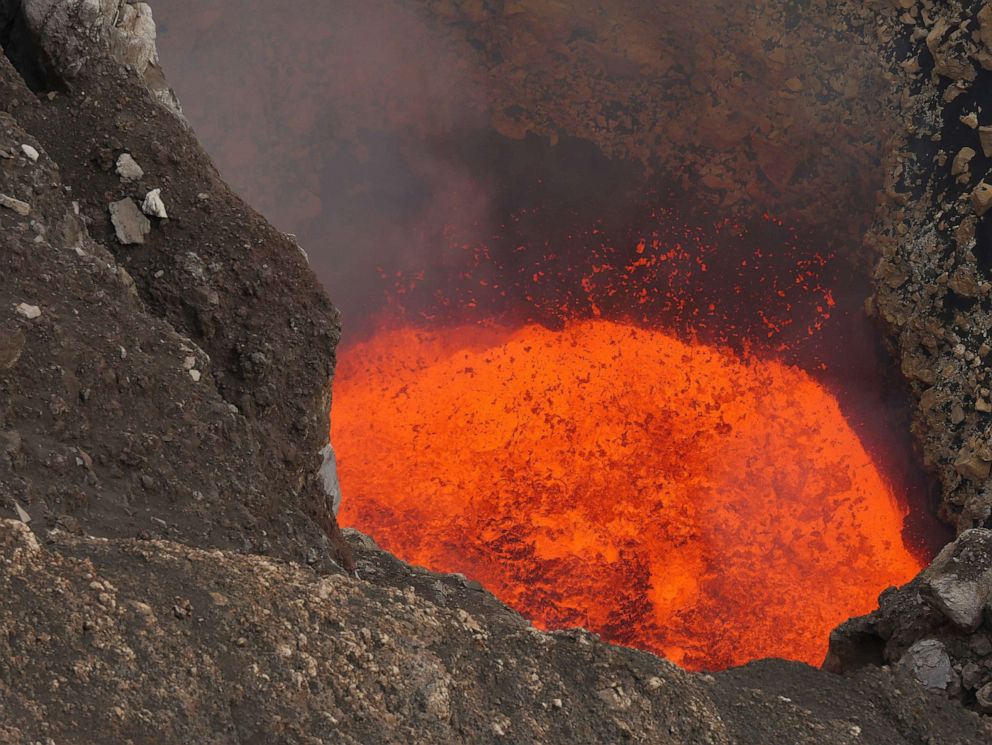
[933, 281]
[184, 437]
[939, 626]
[153, 641]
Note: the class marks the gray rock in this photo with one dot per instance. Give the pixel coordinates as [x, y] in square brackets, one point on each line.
[28, 311]
[69, 32]
[128, 168]
[153, 206]
[21, 208]
[130, 225]
[11, 346]
[984, 699]
[971, 676]
[30, 152]
[961, 601]
[930, 664]
[959, 581]
[329, 477]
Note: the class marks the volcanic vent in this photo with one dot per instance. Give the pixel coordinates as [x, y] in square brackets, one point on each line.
[631, 463]
[621, 375]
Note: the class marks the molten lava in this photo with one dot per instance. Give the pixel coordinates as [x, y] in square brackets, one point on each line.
[668, 495]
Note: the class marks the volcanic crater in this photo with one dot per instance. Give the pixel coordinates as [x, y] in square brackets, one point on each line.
[626, 380]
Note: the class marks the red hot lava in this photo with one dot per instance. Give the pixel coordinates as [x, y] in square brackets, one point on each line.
[708, 505]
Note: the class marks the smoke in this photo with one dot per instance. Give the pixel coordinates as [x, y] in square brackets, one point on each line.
[460, 157]
[330, 118]
[392, 136]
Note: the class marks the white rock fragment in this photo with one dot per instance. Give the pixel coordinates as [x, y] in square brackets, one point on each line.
[30, 152]
[22, 514]
[128, 168]
[29, 311]
[195, 374]
[153, 206]
[189, 363]
[329, 477]
[21, 208]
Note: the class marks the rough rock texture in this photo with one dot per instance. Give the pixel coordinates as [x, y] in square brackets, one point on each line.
[146, 641]
[933, 289]
[178, 387]
[938, 627]
[72, 35]
[162, 415]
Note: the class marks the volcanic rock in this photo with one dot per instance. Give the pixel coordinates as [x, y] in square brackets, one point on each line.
[28, 311]
[930, 664]
[69, 33]
[936, 624]
[940, 232]
[279, 646]
[153, 206]
[973, 465]
[981, 197]
[959, 580]
[962, 161]
[21, 208]
[983, 697]
[130, 225]
[984, 18]
[985, 136]
[128, 168]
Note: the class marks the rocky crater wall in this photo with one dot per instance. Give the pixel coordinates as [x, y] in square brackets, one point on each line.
[171, 571]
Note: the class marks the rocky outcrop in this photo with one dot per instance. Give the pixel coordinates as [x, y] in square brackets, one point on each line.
[938, 627]
[143, 641]
[933, 274]
[177, 380]
[71, 36]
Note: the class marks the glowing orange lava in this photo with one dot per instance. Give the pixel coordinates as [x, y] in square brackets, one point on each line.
[667, 495]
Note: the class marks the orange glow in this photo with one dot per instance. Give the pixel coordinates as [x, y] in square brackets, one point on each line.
[669, 496]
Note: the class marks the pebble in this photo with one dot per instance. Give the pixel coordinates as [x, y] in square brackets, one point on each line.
[29, 151]
[195, 374]
[153, 206]
[21, 208]
[128, 168]
[29, 311]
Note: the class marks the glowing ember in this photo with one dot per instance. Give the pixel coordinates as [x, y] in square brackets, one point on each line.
[664, 494]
